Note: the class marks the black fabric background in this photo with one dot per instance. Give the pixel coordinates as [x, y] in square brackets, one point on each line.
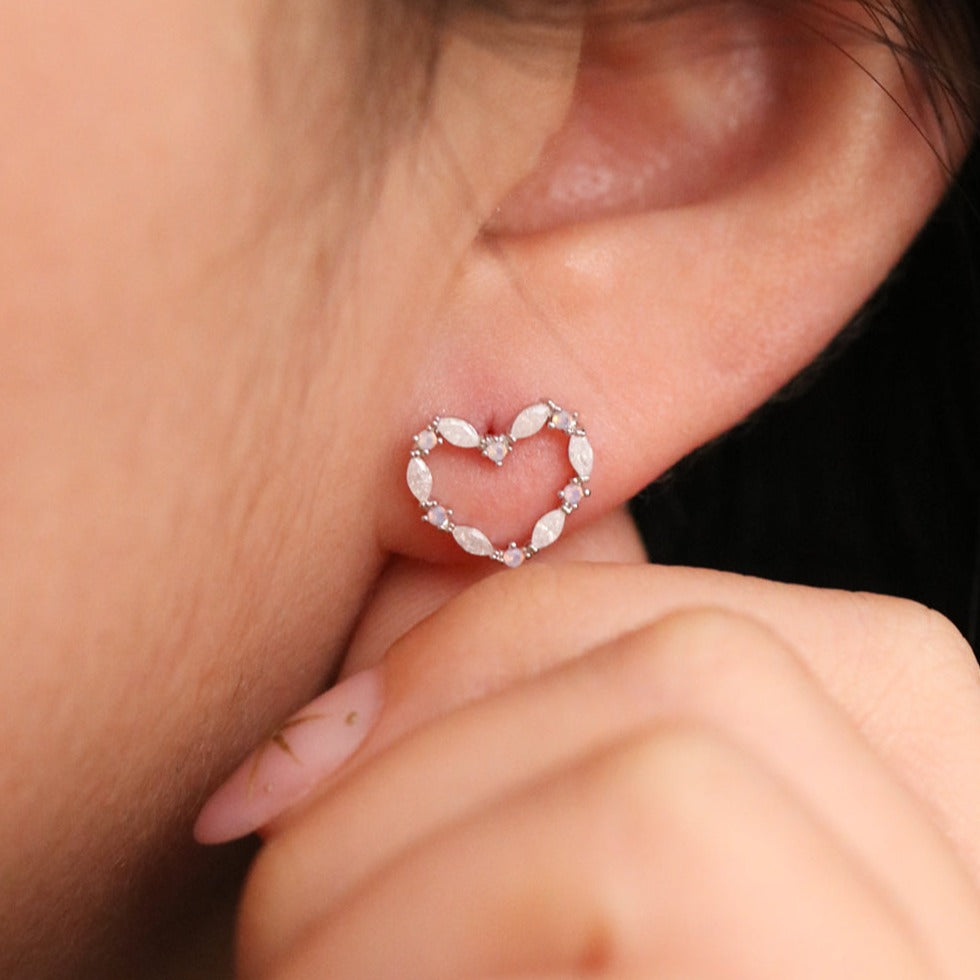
[867, 474]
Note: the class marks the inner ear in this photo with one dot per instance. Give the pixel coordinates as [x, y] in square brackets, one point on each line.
[675, 108]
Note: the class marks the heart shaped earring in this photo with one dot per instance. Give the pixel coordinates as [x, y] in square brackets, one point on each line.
[497, 448]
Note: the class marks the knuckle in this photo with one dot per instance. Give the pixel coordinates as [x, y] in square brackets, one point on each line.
[901, 635]
[650, 790]
[664, 763]
[942, 636]
[701, 659]
[645, 811]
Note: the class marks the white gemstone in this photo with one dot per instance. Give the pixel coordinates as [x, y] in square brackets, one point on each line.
[419, 478]
[548, 529]
[458, 432]
[530, 421]
[437, 516]
[580, 456]
[572, 494]
[473, 541]
[497, 449]
[514, 557]
[563, 421]
[426, 440]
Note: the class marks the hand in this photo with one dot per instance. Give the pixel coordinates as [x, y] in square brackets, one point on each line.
[573, 778]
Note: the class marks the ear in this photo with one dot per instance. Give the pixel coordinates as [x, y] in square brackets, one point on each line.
[727, 188]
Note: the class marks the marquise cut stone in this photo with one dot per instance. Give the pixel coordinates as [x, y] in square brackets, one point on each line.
[419, 478]
[580, 456]
[473, 541]
[548, 529]
[458, 432]
[531, 421]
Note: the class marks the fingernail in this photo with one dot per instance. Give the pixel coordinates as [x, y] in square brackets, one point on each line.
[310, 745]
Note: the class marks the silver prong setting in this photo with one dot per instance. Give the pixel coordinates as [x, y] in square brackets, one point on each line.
[496, 448]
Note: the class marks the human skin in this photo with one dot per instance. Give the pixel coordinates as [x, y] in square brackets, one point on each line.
[641, 783]
[206, 391]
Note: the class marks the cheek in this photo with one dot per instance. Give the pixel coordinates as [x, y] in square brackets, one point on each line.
[125, 181]
[118, 191]
[125, 117]
[168, 582]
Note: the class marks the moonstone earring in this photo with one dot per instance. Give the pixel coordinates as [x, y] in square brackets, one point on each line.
[497, 448]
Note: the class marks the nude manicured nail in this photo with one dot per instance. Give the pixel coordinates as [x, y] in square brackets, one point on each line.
[307, 747]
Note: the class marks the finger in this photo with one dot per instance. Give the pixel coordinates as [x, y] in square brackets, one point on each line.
[667, 853]
[901, 671]
[583, 975]
[578, 975]
[711, 668]
[587, 975]
[904, 673]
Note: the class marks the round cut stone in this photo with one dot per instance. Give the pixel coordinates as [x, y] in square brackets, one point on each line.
[437, 516]
[427, 440]
[419, 478]
[530, 421]
[573, 494]
[497, 449]
[514, 557]
[563, 421]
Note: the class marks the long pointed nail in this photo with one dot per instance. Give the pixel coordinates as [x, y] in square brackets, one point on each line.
[310, 745]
